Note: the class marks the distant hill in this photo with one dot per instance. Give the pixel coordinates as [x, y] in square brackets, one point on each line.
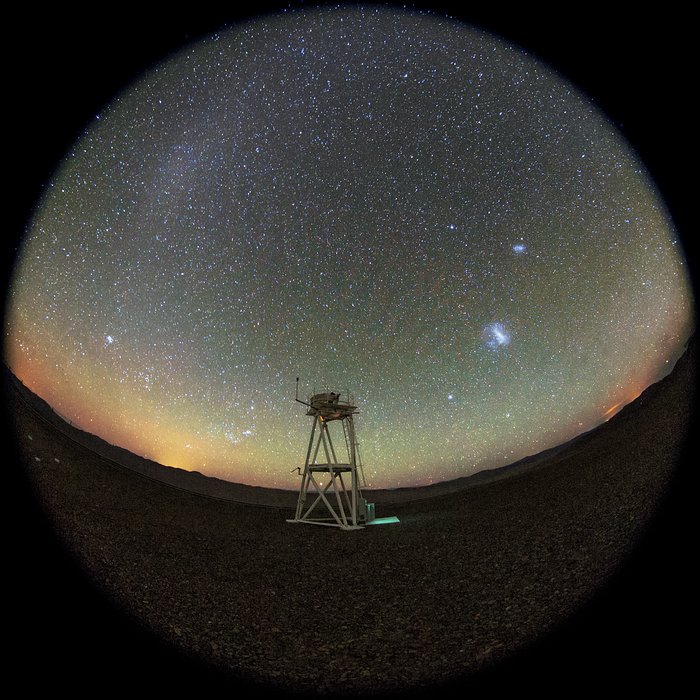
[678, 380]
[682, 376]
[180, 478]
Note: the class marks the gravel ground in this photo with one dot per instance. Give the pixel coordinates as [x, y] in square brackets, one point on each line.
[503, 582]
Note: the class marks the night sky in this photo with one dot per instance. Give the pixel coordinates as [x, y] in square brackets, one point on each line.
[379, 200]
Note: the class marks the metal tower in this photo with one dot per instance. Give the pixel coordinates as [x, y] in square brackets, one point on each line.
[335, 503]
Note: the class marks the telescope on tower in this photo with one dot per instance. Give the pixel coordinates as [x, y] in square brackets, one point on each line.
[330, 493]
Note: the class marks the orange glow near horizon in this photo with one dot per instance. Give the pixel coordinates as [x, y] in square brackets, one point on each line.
[631, 396]
[612, 408]
[156, 434]
[129, 424]
[97, 402]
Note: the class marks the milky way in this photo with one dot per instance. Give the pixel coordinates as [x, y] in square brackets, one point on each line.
[385, 201]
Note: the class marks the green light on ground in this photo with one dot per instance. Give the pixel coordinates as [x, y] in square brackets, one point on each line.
[384, 521]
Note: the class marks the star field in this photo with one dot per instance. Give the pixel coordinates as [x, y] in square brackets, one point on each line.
[386, 201]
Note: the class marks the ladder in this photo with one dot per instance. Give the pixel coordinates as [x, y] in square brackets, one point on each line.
[358, 457]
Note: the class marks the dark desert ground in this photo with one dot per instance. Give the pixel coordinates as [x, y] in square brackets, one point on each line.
[567, 568]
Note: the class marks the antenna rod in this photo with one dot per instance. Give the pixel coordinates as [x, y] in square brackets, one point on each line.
[296, 398]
